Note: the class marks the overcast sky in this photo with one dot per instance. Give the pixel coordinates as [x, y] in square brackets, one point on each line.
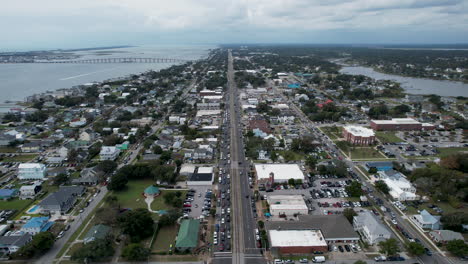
[30, 24]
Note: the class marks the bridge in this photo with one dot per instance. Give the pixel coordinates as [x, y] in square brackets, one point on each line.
[108, 60]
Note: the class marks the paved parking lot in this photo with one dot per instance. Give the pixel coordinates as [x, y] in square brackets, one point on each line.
[198, 199]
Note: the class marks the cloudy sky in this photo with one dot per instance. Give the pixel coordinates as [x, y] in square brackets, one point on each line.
[29, 24]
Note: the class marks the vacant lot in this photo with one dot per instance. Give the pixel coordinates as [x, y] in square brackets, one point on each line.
[166, 236]
[449, 151]
[365, 153]
[388, 137]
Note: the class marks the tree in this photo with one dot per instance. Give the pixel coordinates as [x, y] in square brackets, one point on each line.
[118, 182]
[107, 215]
[261, 224]
[157, 149]
[291, 182]
[372, 170]
[311, 162]
[454, 221]
[170, 217]
[389, 247]
[138, 224]
[43, 241]
[354, 189]
[349, 213]
[94, 251]
[135, 252]
[415, 248]
[382, 186]
[107, 166]
[60, 179]
[457, 247]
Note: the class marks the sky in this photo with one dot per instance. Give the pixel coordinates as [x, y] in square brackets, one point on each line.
[48, 24]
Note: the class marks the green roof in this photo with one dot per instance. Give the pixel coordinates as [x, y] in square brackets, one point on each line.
[152, 190]
[97, 232]
[188, 234]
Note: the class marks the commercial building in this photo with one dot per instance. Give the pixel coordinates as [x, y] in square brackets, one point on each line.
[400, 188]
[31, 171]
[359, 135]
[201, 176]
[396, 124]
[187, 238]
[287, 205]
[297, 241]
[109, 153]
[371, 229]
[278, 172]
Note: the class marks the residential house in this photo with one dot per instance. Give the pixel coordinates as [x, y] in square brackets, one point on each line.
[30, 147]
[31, 171]
[400, 188]
[444, 236]
[30, 191]
[426, 221]
[36, 225]
[62, 200]
[109, 153]
[6, 194]
[88, 176]
[11, 244]
[96, 232]
[370, 228]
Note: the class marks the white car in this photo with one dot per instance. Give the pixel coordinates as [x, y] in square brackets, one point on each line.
[394, 221]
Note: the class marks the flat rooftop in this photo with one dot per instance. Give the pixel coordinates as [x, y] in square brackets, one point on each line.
[359, 131]
[280, 171]
[397, 121]
[296, 238]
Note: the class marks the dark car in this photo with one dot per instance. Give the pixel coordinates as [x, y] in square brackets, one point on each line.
[348, 249]
[340, 248]
[428, 251]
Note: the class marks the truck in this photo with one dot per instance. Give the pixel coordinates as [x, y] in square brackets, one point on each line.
[318, 259]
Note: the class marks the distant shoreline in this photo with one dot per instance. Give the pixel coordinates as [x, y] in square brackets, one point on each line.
[97, 48]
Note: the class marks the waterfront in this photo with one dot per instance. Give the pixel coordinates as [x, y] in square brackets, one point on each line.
[17, 81]
[413, 85]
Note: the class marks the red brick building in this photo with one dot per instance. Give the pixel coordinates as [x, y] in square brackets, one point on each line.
[261, 124]
[396, 124]
[359, 135]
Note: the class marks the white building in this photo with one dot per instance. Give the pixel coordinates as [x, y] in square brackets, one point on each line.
[31, 171]
[109, 153]
[288, 205]
[280, 172]
[30, 191]
[400, 188]
[371, 230]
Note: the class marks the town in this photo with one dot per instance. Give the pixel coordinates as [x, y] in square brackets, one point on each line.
[264, 154]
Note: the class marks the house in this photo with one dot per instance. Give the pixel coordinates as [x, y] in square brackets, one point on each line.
[426, 221]
[29, 147]
[11, 244]
[88, 176]
[96, 232]
[30, 191]
[31, 171]
[87, 135]
[370, 228]
[36, 225]
[62, 200]
[109, 153]
[53, 172]
[187, 237]
[444, 236]
[6, 194]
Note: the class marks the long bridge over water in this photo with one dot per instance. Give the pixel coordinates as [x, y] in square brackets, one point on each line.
[107, 60]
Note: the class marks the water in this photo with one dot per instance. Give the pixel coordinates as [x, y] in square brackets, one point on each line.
[413, 85]
[17, 81]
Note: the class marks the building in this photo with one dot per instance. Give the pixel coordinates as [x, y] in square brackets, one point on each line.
[6, 194]
[287, 205]
[187, 170]
[61, 201]
[334, 228]
[109, 153]
[371, 229]
[88, 176]
[31, 147]
[379, 165]
[280, 173]
[359, 135]
[297, 241]
[400, 188]
[261, 124]
[396, 124]
[32, 171]
[187, 237]
[30, 191]
[151, 191]
[444, 236]
[36, 225]
[96, 232]
[426, 221]
[11, 244]
[201, 176]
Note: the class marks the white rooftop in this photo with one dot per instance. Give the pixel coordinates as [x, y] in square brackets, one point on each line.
[31, 166]
[359, 131]
[208, 112]
[205, 169]
[296, 238]
[280, 171]
[397, 121]
[287, 202]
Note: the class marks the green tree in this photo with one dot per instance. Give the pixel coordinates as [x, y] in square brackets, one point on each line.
[43, 241]
[291, 182]
[118, 182]
[415, 249]
[60, 179]
[157, 149]
[107, 166]
[349, 213]
[311, 162]
[454, 221]
[372, 170]
[389, 247]
[93, 251]
[354, 189]
[457, 247]
[137, 224]
[382, 186]
[170, 217]
[135, 252]
[261, 224]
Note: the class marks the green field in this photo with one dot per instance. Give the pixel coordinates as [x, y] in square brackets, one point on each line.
[449, 151]
[332, 132]
[388, 137]
[15, 204]
[166, 236]
[20, 158]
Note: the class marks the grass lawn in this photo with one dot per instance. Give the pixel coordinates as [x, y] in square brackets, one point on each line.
[165, 237]
[332, 132]
[365, 153]
[8, 150]
[15, 204]
[290, 155]
[20, 158]
[387, 137]
[449, 151]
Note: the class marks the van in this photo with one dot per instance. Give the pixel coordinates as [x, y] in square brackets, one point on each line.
[256, 231]
[318, 259]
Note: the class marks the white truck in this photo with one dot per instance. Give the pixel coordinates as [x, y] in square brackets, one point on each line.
[318, 259]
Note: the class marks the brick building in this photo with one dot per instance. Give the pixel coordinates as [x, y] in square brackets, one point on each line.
[359, 135]
[396, 124]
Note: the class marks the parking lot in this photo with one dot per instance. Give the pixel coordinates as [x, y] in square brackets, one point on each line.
[198, 201]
